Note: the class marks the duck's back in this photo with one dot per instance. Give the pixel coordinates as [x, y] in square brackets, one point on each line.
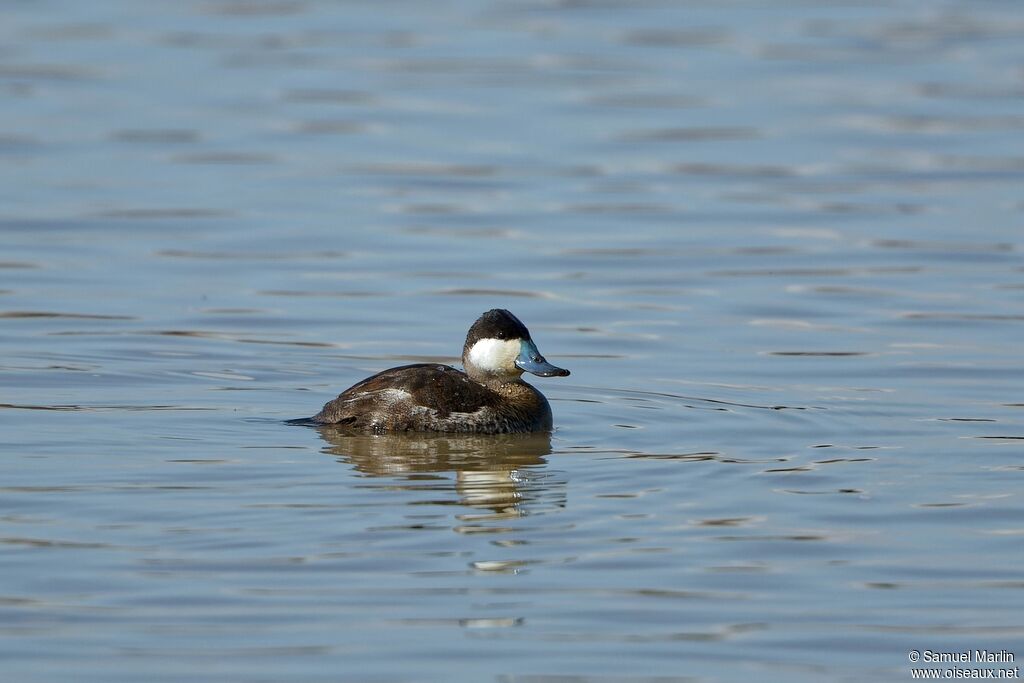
[433, 397]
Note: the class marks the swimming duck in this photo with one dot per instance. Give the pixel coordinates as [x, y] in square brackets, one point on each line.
[490, 397]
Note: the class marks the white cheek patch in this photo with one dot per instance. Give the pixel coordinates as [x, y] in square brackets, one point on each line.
[496, 356]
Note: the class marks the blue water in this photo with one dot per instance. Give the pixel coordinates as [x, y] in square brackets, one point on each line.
[778, 244]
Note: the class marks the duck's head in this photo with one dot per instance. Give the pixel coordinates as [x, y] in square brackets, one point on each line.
[498, 348]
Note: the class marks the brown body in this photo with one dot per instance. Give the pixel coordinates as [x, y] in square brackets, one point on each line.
[437, 398]
[490, 397]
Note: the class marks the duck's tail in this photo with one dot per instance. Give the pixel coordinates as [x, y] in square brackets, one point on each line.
[302, 422]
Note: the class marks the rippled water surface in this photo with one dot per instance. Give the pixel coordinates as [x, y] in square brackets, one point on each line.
[779, 245]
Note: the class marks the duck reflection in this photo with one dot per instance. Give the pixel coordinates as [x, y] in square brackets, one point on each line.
[503, 473]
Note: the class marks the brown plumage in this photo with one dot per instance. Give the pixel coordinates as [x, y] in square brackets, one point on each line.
[489, 398]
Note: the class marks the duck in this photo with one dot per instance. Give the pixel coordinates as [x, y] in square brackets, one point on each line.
[488, 397]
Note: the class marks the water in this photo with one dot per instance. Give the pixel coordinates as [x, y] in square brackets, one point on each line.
[777, 243]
